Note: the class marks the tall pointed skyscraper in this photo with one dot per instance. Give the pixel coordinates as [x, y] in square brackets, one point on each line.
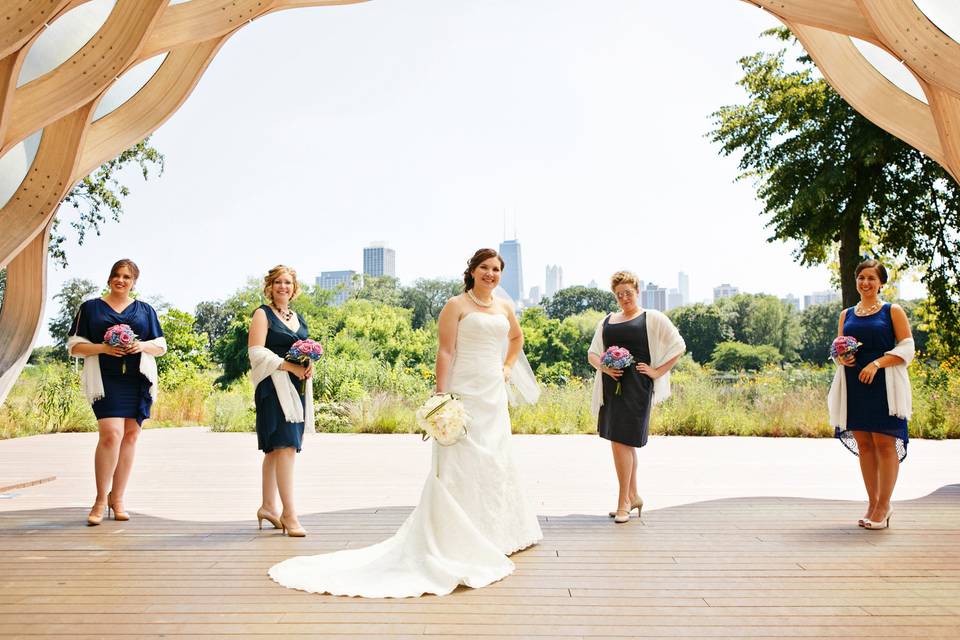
[512, 280]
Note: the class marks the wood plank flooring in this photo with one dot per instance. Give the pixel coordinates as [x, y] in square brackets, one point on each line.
[749, 567]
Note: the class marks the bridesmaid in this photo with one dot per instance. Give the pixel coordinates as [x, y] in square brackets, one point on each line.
[874, 386]
[624, 418]
[283, 401]
[121, 385]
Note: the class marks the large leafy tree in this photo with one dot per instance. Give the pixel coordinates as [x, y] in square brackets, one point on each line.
[826, 175]
[212, 318]
[187, 350]
[426, 297]
[703, 327]
[382, 289]
[577, 299]
[73, 292]
[759, 319]
[819, 327]
[99, 196]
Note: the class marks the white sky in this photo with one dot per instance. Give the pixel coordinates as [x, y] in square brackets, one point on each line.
[423, 122]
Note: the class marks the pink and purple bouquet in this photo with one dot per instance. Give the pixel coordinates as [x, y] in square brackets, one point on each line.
[120, 335]
[844, 346]
[617, 358]
[303, 352]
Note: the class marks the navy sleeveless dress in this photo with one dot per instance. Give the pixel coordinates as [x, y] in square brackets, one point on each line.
[126, 390]
[273, 430]
[867, 407]
[625, 417]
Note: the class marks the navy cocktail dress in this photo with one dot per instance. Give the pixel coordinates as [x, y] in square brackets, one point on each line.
[867, 407]
[625, 417]
[273, 431]
[126, 390]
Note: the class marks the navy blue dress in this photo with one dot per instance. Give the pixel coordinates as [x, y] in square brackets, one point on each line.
[126, 390]
[625, 417]
[273, 430]
[867, 407]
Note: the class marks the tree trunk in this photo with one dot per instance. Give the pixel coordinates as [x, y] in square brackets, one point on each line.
[850, 251]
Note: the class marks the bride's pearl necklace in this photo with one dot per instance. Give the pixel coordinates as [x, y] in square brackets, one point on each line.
[478, 301]
[860, 310]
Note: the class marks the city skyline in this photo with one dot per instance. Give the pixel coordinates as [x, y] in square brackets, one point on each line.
[653, 296]
[414, 128]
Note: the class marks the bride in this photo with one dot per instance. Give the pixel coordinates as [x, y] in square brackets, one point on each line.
[472, 512]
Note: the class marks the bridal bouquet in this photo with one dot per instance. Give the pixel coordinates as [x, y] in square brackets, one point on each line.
[303, 352]
[443, 418]
[844, 346]
[120, 335]
[617, 358]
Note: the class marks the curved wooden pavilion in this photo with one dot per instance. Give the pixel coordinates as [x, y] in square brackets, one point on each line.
[63, 102]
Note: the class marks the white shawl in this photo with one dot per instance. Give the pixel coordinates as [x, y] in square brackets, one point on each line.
[265, 363]
[665, 343]
[92, 382]
[899, 396]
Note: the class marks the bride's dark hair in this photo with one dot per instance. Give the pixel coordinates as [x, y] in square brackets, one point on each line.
[474, 262]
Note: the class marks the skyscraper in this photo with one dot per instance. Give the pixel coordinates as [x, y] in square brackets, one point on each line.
[340, 282]
[379, 260]
[725, 291]
[554, 279]
[683, 280]
[512, 279]
[654, 297]
[674, 299]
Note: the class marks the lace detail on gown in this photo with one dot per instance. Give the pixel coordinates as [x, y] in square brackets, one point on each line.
[469, 519]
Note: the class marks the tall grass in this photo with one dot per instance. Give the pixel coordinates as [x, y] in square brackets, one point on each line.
[372, 398]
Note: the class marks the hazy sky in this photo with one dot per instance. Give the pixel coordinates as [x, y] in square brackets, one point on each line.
[423, 123]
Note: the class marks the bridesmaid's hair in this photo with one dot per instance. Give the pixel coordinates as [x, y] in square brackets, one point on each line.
[624, 277]
[129, 264]
[275, 273]
[872, 264]
[474, 262]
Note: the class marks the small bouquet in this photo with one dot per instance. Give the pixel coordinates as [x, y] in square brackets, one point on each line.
[120, 335]
[844, 346]
[617, 358]
[443, 418]
[303, 352]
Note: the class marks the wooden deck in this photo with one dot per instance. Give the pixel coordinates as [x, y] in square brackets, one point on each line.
[759, 567]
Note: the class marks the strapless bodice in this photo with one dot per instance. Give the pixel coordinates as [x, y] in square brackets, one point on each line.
[482, 335]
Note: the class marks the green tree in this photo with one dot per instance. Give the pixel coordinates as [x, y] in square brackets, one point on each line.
[826, 175]
[577, 299]
[737, 356]
[761, 319]
[99, 195]
[426, 297]
[187, 351]
[212, 318]
[543, 343]
[382, 289]
[73, 292]
[818, 324]
[702, 327]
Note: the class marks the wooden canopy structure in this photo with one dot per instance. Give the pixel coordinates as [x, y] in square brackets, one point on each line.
[62, 103]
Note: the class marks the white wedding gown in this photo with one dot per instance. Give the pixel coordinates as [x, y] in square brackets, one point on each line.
[469, 519]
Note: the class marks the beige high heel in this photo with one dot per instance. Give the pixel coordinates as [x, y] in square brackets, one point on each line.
[118, 514]
[638, 505]
[299, 532]
[878, 524]
[97, 513]
[620, 519]
[269, 517]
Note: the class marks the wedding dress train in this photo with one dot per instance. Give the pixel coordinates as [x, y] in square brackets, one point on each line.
[472, 512]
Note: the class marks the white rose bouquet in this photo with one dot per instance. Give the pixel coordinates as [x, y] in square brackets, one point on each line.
[443, 418]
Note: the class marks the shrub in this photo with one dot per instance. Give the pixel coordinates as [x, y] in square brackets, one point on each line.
[737, 356]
